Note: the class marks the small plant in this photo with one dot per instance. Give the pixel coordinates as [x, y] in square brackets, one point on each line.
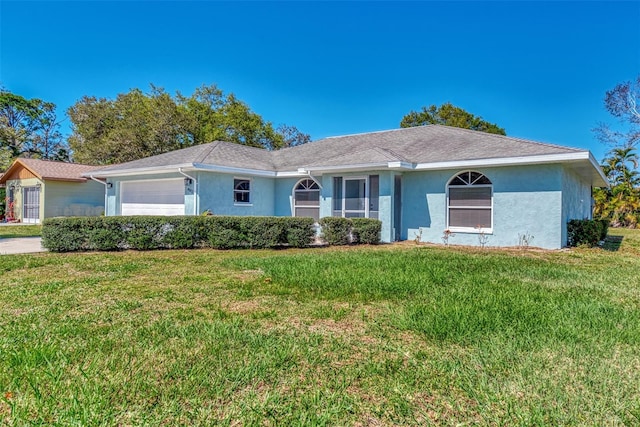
[418, 237]
[446, 234]
[524, 240]
[483, 237]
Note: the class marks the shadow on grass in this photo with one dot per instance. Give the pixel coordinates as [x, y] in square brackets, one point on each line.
[612, 243]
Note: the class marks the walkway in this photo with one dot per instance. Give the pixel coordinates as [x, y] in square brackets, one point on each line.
[21, 245]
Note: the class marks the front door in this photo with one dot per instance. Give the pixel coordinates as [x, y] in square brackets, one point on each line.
[355, 198]
[31, 205]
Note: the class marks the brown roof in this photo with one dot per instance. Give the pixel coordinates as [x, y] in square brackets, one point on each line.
[48, 170]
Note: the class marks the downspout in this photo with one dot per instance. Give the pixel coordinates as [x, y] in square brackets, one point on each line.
[105, 192]
[195, 191]
[314, 178]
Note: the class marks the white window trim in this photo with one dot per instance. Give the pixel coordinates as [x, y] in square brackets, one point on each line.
[366, 194]
[469, 230]
[293, 196]
[241, 178]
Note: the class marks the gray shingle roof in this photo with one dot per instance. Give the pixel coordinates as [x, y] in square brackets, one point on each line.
[424, 144]
[215, 153]
[49, 170]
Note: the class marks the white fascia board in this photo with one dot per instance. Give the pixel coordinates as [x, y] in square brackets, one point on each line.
[598, 168]
[506, 161]
[233, 170]
[346, 168]
[139, 171]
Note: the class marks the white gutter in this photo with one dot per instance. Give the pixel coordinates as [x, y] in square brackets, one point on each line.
[195, 191]
[317, 181]
[105, 191]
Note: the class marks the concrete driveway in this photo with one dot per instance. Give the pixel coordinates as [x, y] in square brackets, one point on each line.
[21, 245]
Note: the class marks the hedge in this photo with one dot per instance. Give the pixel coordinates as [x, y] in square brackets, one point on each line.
[587, 232]
[343, 231]
[174, 232]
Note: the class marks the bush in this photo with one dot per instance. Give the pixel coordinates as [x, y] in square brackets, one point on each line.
[343, 231]
[177, 232]
[586, 231]
[335, 230]
[366, 231]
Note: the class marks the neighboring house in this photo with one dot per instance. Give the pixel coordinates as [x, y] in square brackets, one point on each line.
[418, 181]
[38, 189]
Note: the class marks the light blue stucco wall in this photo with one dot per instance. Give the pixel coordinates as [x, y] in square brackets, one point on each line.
[283, 196]
[576, 199]
[526, 199]
[215, 193]
[537, 200]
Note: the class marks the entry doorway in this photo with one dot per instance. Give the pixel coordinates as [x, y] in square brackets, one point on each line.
[31, 205]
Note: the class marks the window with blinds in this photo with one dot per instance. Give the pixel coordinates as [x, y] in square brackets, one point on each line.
[470, 202]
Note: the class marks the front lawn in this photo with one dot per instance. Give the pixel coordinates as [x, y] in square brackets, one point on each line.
[7, 231]
[395, 334]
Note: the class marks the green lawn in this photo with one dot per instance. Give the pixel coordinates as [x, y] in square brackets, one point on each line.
[7, 231]
[395, 334]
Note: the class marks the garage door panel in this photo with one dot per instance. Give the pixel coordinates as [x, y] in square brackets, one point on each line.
[162, 197]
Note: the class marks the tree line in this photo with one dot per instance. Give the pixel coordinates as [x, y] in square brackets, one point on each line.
[139, 124]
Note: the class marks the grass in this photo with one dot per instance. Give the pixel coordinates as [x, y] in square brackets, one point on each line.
[397, 334]
[8, 231]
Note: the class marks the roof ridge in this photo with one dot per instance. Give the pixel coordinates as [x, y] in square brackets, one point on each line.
[372, 133]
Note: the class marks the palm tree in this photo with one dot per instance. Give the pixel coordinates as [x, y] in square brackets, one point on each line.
[621, 202]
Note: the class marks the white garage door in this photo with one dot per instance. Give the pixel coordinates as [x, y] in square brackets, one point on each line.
[157, 197]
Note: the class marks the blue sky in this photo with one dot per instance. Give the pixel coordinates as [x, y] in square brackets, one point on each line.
[538, 69]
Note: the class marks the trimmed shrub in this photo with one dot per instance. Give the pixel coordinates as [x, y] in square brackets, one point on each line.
[344, 231]
[336, 230]
[366, 231]
[301, 232]
[176, 232]
[586, 231]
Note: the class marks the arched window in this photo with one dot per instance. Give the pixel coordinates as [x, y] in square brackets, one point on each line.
[306, 199]
[470, 203]
[241, 190]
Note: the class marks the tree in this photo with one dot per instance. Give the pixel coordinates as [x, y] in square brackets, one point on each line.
[137, 124]
[29, 128]
[292, 137]
[449, 115]
[622, 102]
[620, 203]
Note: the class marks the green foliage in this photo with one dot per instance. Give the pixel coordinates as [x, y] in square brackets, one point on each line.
[449, 115]
[366, 231]
[29, 127]
[587, 232]
[181, 232]
[620, 203]
[137, 125]
[343, 231]
[335, 230]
